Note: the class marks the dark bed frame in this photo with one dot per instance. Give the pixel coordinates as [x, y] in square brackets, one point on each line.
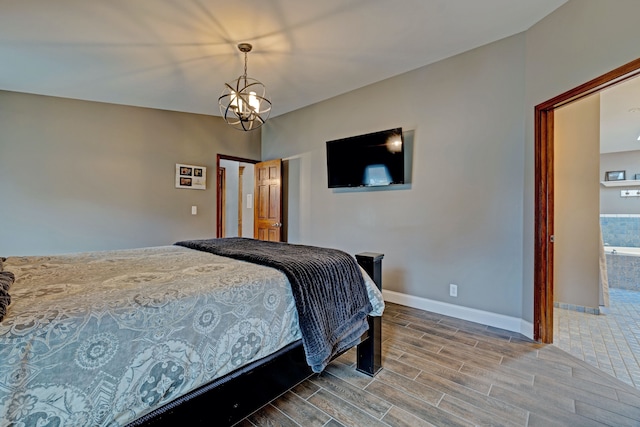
[230, 399]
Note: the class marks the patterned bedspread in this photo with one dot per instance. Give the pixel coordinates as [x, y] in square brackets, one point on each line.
[102, 338]
[328, 288]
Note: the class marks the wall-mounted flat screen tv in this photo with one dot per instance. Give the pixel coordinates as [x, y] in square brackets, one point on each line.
[371, 160]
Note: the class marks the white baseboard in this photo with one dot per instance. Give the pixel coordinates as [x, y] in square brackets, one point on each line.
[501, 321]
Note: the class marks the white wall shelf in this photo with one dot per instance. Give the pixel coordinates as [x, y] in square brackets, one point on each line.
[623, 183]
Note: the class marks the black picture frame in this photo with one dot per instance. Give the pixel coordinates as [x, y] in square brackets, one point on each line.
[191, 177]
[615, 176]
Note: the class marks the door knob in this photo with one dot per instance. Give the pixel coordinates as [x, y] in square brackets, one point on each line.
[277, 224]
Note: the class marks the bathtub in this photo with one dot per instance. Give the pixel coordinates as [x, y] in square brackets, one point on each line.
[623, 267]
[621, 250]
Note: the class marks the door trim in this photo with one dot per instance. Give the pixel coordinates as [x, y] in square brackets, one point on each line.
[219, 202]
[221, 194]
[240, 197]
[543, 223]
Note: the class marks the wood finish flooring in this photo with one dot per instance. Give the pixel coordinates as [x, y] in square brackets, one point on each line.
[442, 371]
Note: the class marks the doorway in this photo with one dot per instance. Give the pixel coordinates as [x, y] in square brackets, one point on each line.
[597, 161]
[544, 193]
[249, 198]
[234, 198]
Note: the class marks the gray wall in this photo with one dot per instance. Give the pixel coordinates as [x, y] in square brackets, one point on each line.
[610, 200]
[78, 175]
[577, 203]
[468, 215]
[460, 218]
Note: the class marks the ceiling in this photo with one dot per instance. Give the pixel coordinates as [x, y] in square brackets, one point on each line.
[176, 54]
[620, 117]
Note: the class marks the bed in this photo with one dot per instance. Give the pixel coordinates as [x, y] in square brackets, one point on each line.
[133, 337]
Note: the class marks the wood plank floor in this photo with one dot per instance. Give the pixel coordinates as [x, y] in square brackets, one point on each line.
[441, 371]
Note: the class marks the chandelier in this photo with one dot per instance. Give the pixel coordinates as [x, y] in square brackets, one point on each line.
[243, 103]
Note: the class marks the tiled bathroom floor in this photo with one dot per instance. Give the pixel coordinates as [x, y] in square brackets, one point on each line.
[609, 341]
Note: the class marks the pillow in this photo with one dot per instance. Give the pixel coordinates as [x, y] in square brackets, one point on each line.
[6, 279]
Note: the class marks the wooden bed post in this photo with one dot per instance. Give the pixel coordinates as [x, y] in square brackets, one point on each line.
[369, 352]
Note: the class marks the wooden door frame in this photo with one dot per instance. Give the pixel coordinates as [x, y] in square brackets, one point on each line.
[221, 196]
[544, 217]
[219, 202]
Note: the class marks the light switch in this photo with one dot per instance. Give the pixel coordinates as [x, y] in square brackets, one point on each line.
[194, 210]
[249, 201]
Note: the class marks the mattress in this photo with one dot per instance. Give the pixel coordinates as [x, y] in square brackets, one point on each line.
[102, 338]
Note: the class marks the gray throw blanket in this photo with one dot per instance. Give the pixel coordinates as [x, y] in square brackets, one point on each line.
[327, 285]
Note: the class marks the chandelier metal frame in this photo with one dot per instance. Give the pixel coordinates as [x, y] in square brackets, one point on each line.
[243, 102]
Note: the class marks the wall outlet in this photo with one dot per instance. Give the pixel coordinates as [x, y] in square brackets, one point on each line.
[453, 290]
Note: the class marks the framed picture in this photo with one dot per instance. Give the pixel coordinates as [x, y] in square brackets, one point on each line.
[190, 176]
[614, 176]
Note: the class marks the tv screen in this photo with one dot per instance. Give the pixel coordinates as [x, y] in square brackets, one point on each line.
[374, 159]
